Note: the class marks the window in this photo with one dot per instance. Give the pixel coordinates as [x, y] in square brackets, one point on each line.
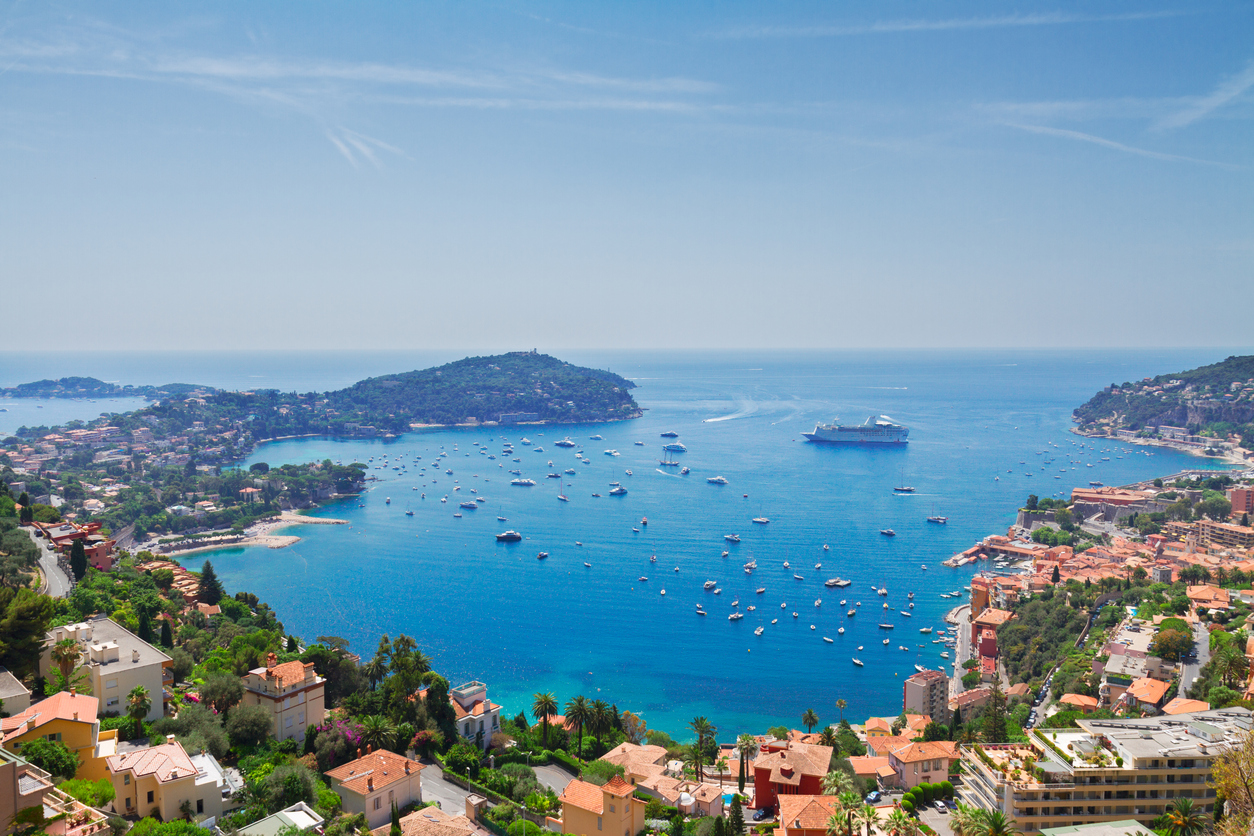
[200, 805]
[611, 808]
[126, 780]
[300, 718]
[287, 724]
[598, 822]
[377, 802]
[150, 796]
[128, 800]
[110, 702]
[55, 738]
[111, 683]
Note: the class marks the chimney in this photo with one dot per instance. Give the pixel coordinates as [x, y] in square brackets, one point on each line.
[169, 738]
[75, 715]
[406, 767]
[73, 690]
[271, 660]
[370, 785]
[135, 655]
[358, 751]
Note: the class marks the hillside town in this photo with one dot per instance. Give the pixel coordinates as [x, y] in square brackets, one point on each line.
[158, 698]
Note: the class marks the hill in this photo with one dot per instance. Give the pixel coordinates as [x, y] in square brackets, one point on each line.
[1215, 399]
[90, 387]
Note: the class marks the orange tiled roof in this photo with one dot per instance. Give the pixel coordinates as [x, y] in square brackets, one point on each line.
[166, 762]
[882, 746]
[806, 812]
[879, 724]
[1078, 700]
[866, 765]
[431, 821]
[380, 768]
[1182, 705]
[477, 709]
[60, 706]
[935, 750]
[1148, 690]
[583, 795]
[286, 674]
[788, 765]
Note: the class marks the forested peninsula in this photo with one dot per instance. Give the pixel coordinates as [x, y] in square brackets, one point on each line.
[1215, 401]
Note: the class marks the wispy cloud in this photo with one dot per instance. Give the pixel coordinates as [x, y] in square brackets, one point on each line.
[885, 27]
[1228, 90]
[1113, 145]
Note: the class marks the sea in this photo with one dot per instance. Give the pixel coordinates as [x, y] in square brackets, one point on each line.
[611, 613]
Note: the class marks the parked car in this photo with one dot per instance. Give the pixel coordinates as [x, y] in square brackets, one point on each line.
[873, 797]
[952, 803]
[940, 805]
[764, 813]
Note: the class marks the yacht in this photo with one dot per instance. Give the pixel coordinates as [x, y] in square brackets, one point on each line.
[888, 532]
[857, 662]
[716, 480]
[542, 555]
[670, 434]
[510, 536]
[619, 491]
[761, 520]
[736, 616]
[709, 585]
[732, 538]
[759, 631]
[525, 483]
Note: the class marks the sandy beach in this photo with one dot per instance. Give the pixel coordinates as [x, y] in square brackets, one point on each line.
[262, 534]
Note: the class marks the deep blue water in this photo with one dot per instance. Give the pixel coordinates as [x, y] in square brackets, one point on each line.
[494, 612]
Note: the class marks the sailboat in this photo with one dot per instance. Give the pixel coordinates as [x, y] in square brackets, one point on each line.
[562, 496]
[937, 518]
[903, 487]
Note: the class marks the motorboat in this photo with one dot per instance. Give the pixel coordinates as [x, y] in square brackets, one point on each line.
[717, 480]
[888, 532]
[857, 662]
[732, 538]
[510, 536]
[542, 555]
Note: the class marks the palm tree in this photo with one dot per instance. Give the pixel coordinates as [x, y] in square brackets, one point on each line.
[1184, 819]
[838, 823]
[578, 712]
[722, 769]
[601, 719]
[65, 655]
[703, 728]
[378, 731]
[866, 816]
[137, 706]
[900, 824]
[995, 823]
[841, 705]
[809, 719]
[544, 707]
[375, 670]
[965, 821]
[828, 737]
[837, 782]
[1232, 664]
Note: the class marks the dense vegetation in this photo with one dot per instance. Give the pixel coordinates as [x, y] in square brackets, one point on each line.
[90, 387]
[1203, 400]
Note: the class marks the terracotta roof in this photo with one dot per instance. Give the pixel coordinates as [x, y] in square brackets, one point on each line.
[60, 706]
[380, 767]
[993, 616]
[1148, 690]
[935, 750]
[923, 677]
[969, 697]
[879, 724]
[806, 812]
[287, 674]
[867, 765]
[1078, 700]
[477, 708]
[1182, 705]
[1020, 690]
[617, 786]
[431, 821]
[637, 760]
[917, 722]
[788, 765]
[167, 762]
[882, 746]
[583, 795]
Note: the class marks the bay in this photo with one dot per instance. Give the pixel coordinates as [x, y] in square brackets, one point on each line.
[494, 612]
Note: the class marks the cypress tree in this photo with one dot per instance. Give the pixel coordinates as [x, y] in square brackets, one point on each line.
[78, 560]
[1055, 577]
[145, 627]
[291, 644]
[210, 591]
[736, 818]
[720, 826]
[396, 821]
[167, 636]
[954, 723]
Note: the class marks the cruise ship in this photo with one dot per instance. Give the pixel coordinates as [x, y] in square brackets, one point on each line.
[877, 430]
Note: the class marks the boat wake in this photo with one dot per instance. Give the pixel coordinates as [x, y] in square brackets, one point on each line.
[746, 408]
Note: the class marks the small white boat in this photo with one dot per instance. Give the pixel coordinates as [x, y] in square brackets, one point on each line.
[841, 631]
[826, 639]
[857, 662]
[759, 631]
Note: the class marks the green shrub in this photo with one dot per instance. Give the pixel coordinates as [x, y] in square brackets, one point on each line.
[907, 805]
[92, 793]
[600, 772]
[947, 789]
[523, 827]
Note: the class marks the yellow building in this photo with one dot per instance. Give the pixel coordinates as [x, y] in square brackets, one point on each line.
[67, 718]
[293, 693]
[164, 781]
[611, 810]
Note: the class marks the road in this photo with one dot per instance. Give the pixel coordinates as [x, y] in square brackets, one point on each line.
[452, 798]
[1189, 671]
[553, 776]
[58, 581]
[962, 651]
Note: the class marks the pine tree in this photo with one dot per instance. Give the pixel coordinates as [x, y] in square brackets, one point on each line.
[210, 591]
[954, 723]
[167, 636]
[995, 715]
[78, 560]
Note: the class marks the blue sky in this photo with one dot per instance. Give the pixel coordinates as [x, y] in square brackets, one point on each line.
[497, 175]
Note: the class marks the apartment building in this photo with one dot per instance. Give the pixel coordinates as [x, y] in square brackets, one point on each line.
[478, 718]
[116, 660]
[373, 783]
[1105, 771]
[24, 785]
[928, 694]
[293, 693]
[165, 780]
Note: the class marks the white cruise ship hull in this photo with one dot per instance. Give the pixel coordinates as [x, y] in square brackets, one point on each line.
[874, 431]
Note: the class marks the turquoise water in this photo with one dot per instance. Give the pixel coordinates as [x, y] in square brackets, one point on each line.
[494, 612]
